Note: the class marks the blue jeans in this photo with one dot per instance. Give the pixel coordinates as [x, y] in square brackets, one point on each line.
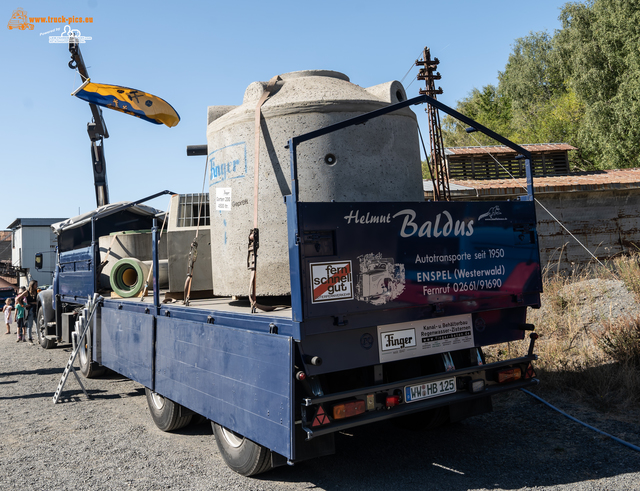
[29, 324]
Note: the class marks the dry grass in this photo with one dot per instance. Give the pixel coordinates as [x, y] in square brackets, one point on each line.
[627, 268]
[620, 341]
[595, 360]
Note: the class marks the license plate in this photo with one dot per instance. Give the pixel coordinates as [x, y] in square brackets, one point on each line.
[437, 388]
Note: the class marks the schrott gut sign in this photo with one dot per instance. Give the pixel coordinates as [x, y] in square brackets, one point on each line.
[331, 281]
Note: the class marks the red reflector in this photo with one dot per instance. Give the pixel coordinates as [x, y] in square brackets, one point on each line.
[348, 409]
[321, 418]
[530, 373]
[510, 375]
[393, 401]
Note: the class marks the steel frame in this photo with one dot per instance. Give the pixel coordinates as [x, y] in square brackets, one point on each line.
[292, 201]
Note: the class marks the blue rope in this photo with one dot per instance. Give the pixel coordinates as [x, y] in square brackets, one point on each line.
[626, 444]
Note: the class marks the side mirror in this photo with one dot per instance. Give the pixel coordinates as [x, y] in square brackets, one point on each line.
[39, 261]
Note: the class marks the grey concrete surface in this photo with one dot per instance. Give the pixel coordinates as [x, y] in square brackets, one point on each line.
[378, 161]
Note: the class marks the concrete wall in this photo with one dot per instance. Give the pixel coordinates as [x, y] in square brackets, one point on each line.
[606, 222]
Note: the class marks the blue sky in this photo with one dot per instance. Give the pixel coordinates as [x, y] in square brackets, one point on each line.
[197, 54]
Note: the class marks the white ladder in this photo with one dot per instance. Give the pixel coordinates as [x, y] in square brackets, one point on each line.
[82, 325]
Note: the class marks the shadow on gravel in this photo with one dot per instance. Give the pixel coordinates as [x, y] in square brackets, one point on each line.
[111, 375]
[76, 395]
[67, 395]
[196, 429]
[37, 371]
[522, 447]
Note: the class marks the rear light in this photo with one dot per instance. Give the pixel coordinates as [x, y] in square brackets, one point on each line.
[509, 375]
[392, 401]
[348, 409]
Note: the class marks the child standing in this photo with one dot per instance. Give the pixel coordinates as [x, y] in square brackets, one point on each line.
[7, 308]
[20, 319]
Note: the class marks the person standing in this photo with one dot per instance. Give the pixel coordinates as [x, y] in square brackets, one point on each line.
[20, 317]
[7, 308]
[32, 303]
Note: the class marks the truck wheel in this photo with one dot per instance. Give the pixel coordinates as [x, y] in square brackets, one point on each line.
[240, 454]
[41, 328]
[166, 413]
[88, 368]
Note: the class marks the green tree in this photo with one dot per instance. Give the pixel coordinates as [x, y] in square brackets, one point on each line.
[580, 86]
[532, 103]
[599, 46]
[532, 76]
[486, 107]
[426, 172]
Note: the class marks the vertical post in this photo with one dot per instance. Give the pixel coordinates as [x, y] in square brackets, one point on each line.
[294, 236]
[438, 163]
[156, 263]
[156, 297]
[95, 251]
[527, 164]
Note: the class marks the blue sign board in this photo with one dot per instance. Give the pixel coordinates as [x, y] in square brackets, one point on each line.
[359, 257]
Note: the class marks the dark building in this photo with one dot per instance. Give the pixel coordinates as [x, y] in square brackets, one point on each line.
[497, 162]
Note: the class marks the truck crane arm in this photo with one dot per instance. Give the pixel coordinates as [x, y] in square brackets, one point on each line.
[97, 130]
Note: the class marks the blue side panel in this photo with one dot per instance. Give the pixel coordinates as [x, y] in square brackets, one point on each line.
[237, 378]
[75, 276]
[124, 343]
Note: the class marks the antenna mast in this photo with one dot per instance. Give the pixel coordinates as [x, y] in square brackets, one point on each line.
[437, 162]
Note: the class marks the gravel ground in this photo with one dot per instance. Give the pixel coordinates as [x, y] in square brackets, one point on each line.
[110, 442]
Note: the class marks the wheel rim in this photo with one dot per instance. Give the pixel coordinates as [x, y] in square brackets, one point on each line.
[157, 400]
[41, 328]
[232, 438]
[82, 352]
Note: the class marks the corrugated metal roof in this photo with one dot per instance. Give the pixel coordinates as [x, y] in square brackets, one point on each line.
[501, 149]
[587, 181]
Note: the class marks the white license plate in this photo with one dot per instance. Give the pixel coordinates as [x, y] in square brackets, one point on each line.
[437, 388]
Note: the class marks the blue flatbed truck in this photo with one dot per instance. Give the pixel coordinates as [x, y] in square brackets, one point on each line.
[391, 304]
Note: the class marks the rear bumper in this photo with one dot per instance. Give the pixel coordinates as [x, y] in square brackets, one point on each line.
[460, 396]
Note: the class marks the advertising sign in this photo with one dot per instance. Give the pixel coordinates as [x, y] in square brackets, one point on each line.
[471, 255]
[424, 337]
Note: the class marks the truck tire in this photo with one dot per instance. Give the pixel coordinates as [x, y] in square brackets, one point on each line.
[88, 368]
[166, 413]
[241, 454]
[41, 328]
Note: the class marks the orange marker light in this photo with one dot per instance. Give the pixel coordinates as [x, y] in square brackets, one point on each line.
[510, 375]
[348, 409]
